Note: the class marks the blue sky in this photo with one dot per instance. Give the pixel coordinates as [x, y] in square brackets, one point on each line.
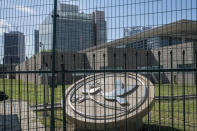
[26, 15]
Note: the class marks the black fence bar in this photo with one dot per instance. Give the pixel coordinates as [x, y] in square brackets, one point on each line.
[159, 62]
[35, 92]
[63, 96]
[94, 76]
[125, 75]
[75, 87]
[147, 54]
[196, 81]
[172, 105]
[136, 77]
[104, 62]
[183, 60]
[52, 123]
[27, 89]
[4, 104]
[85, 86]
[115, 79]
[11, 91]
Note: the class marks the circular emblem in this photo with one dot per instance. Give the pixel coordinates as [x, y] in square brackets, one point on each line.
[106, 98]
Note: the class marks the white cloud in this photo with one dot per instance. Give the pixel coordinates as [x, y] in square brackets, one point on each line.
[25, 9]
[4, 25]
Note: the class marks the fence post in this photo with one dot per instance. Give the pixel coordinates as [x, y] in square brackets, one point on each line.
[63, 95]
[136, 64]
[159, 56]
[35, 91]
[11, 90]
[27, 84]
[74, 80]
[172, 104]
[125, 75]
[104, 62]
[183, 60]
[196, 81]
[94, 68]
[52, 122]
[115, 78]
[84, 77]
[4, 103]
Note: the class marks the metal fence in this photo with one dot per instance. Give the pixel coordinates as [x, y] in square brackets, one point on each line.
[98, 65]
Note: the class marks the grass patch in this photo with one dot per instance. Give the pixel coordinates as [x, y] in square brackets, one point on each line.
[177, 89]
[31, 92]
[166, 114]
[28, 91]
[166, 108]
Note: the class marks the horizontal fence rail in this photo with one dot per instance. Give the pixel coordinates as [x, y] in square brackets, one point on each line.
[100, 71]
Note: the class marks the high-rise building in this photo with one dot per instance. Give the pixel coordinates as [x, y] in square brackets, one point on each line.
[14, 47]
[100, 27]
[36, 41]
[75, 30]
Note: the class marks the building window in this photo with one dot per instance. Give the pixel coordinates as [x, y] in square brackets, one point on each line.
[185, 66]
[170, 40]
[111, 68]
[149, 67]
[190, 40]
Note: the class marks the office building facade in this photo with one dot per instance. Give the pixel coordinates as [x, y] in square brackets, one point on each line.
[75, 30]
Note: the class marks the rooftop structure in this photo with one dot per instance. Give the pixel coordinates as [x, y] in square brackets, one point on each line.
[135, 30]
[170, 34]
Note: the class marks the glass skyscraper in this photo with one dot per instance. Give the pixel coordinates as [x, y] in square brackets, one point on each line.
[75, 30]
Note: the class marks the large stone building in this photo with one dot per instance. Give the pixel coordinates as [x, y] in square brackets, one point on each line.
[43, 61]
[172, 57]
[77, 61]
[75, 30]
[92, 58]
[174, 37]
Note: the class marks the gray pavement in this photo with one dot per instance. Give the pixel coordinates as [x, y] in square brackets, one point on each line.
[10, 119]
